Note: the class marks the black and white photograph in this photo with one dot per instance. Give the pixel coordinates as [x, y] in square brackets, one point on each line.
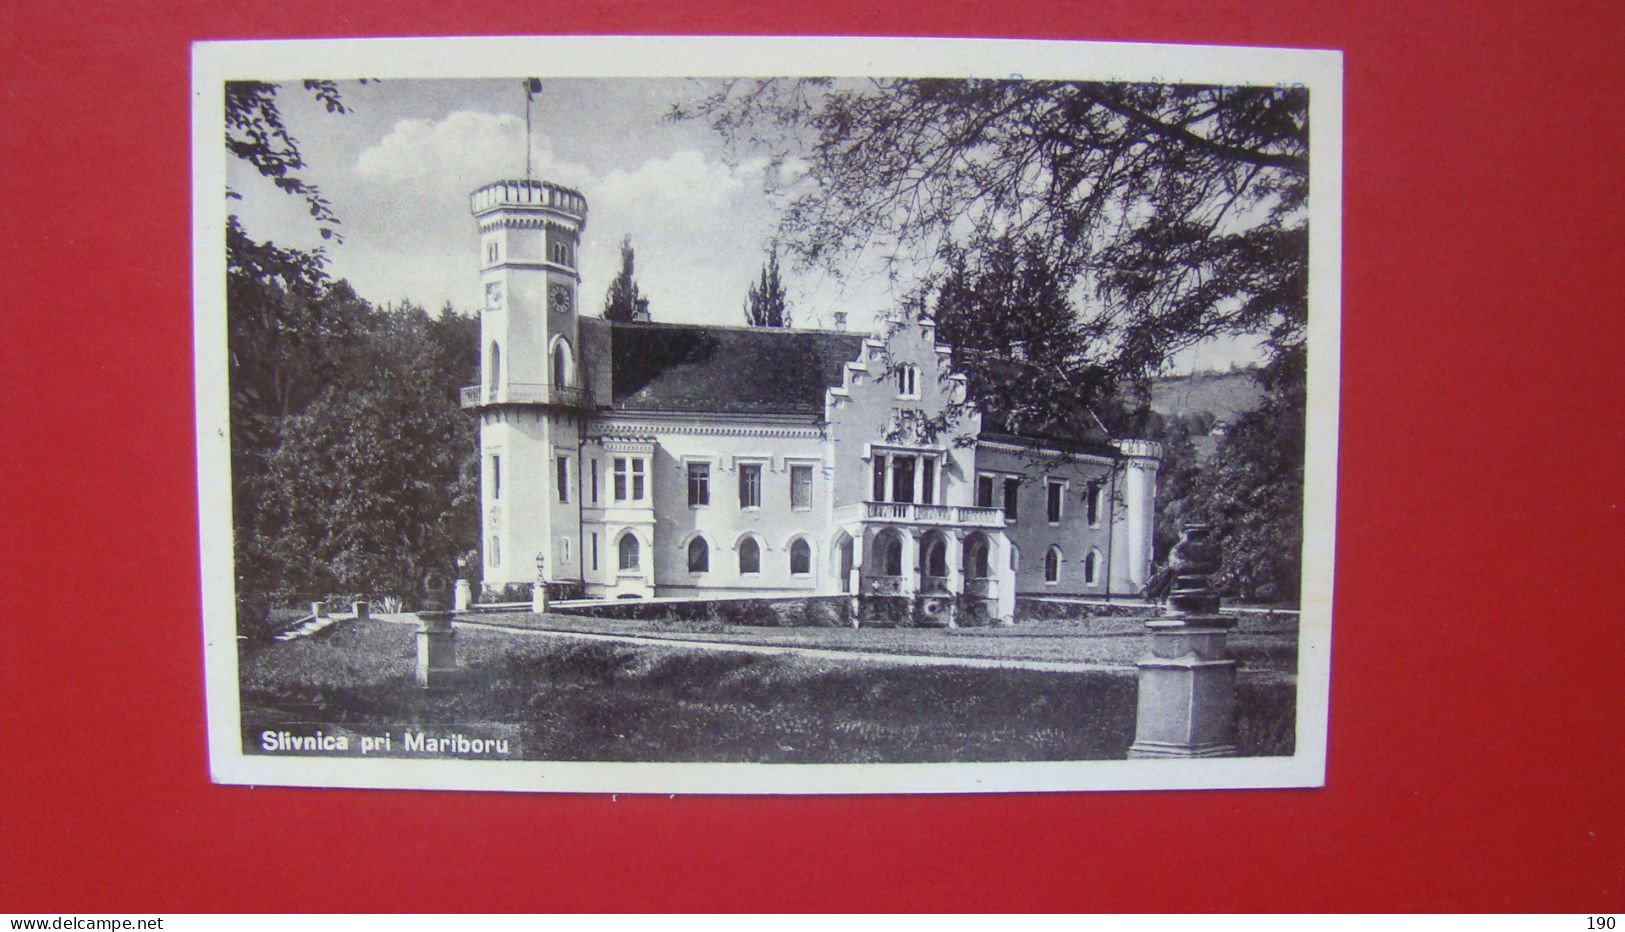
[766, 415]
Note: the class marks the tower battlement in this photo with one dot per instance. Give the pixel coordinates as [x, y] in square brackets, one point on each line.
[529, 195]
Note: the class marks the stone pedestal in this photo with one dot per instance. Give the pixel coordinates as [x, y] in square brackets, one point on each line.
[318, 609]
[1187, 704]
[462, 596]
[363, 611]
[437, 650]
[1187, 697]
[538, 594]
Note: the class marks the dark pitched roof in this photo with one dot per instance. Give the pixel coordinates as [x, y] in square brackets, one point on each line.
[728, 370]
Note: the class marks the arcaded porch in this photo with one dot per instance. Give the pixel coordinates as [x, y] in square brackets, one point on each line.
[930, 555]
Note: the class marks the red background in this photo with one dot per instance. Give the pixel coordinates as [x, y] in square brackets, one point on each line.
[1476, 732]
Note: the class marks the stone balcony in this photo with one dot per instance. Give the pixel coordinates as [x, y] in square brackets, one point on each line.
[527, 393]
[915, 513]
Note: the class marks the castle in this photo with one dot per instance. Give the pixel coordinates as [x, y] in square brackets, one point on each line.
[645, 459]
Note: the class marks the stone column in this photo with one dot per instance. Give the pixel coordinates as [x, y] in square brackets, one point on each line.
[538, 595]
[437, 650]
[462, 596]
[1005, 579]
[1187, 697]
[363, 611]
[909, 584]
[954, 556]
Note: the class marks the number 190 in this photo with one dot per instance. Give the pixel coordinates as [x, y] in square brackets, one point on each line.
[1600, 922]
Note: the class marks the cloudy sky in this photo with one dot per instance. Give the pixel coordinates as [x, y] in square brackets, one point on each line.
[399, 167]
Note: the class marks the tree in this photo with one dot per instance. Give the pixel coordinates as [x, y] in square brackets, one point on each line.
[373, 489]
[624, 302]
[1015, 334]
[1180, 207]
[1181, 210]
[1252, 489]
[256, 134]
[764, 303]
[288, 327]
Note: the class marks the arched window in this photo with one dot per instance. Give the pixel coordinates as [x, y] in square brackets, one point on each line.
[750, 556]
[699, 556]
[908, 381]
[936, 557]
[561, 363]
[1091, 568]
[891, 554]
[1015, 558]
[629, 551]
[800, 557]
[976, 557]
[1052, 565]
[496, 365]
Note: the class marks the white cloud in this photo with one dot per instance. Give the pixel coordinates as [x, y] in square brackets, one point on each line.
[464, 150]
[699, 225]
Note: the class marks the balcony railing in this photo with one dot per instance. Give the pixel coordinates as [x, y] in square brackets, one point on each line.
[536, 393]
[943, 515]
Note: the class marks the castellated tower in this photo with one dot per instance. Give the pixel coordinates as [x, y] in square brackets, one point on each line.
[531, 397]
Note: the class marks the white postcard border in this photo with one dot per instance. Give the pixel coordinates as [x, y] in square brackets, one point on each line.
[506, 57]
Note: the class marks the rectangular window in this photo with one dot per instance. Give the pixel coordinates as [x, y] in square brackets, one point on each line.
[750, 485]
[564, 550]
[496, 477]
[593, 467]
[1056, 495]
[595, 551]
[629, 476]
[699, 484]
[902, 479]
[801, 487]
[984, 491]
[928, 482]
[880, 478]
[564, 478]
[1092, 497]
[1012, 494]
[496, 551]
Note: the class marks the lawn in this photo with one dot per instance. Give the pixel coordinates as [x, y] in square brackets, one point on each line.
[555, 699]
[1263, 646]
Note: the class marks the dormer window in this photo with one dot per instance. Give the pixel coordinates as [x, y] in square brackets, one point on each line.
[908, 381]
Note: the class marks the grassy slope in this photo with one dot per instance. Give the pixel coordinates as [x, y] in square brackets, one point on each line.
[562, 700]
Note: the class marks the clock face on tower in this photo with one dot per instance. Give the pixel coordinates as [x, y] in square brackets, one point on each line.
[561, 298]
[493, 294]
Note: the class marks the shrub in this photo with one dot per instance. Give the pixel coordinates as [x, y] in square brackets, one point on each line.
[507, 592]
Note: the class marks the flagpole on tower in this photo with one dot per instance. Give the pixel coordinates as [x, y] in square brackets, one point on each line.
[533, 86]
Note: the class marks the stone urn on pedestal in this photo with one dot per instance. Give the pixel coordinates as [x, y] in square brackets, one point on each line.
[437, 649]
[1187, 695]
